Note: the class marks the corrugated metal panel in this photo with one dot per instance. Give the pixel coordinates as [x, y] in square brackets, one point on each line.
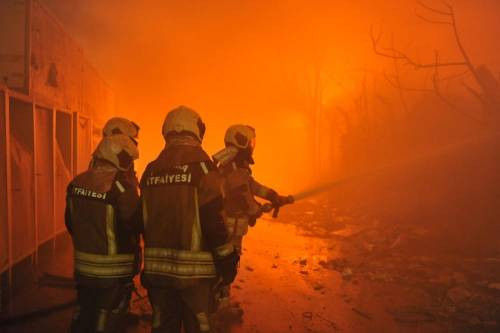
[4, 240]
[63, 161]
[44, 175]
[23, 185]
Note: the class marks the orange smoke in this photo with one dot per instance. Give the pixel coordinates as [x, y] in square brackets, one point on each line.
[256, 62]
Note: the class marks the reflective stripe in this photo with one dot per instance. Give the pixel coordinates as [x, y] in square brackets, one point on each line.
[236, 226]
[96, 265]
[204, 167]
[180, 255]
[110, 229]
[120, 186]
[180, 270]
[179, 263]
[203, 321]
[101, 320]
[196, 230]
[103, 258]
[105, 271]
[224, 250]
[156, 316]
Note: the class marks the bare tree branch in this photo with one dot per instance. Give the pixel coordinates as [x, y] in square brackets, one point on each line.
[455, 76]
[393, 83]
[393, 53]
[474, 93]
[461, 47]
[445, 100]
[428, 20]
[434, 10]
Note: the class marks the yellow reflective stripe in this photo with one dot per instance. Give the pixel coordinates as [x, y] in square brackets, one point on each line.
[156, 316]
[120, 186]
[181, 255]
[203, 321]
[224, 250]
[179, 263]
[108, 271]
[103, 258]
[97, 265]
[110, 229]
[196, 232]
[179, 270]
[204, 167]
[101, 320]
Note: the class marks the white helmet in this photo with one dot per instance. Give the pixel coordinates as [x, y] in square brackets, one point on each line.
[183, 120]
[117, 149]
[119, 125]
[241, 137]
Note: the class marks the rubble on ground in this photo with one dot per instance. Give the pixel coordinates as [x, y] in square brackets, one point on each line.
[463, 292]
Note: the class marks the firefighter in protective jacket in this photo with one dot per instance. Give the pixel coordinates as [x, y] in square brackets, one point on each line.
[102, 218]
[240, 188]
[186, 242]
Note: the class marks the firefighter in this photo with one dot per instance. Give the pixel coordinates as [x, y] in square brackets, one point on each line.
[186, 246]
[102, 218]
[118, 125]
[240, 189]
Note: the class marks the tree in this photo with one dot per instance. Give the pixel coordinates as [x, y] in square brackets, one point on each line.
[488, 94]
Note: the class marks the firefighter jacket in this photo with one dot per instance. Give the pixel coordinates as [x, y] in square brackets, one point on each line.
[184, 235]
[240, 189]
[102, 218]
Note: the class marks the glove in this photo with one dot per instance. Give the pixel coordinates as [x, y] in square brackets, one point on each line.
[227, 267]
[281, 200]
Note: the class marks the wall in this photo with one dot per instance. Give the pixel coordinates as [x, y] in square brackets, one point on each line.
[52, 128]
[12, 43]
[61, 74]
[3, 185]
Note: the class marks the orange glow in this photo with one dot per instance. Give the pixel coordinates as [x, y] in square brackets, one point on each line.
[255, 62]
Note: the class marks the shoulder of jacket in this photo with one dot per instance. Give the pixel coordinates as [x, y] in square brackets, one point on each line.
[94, 180]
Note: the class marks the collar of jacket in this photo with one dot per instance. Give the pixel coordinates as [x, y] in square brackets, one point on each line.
[98, 164]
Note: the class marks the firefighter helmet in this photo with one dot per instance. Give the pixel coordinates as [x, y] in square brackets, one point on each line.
[117, 149]
[118, 125]
[241, 137]
[183, 120]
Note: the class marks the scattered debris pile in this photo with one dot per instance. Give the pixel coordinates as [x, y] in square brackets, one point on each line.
[462, 293]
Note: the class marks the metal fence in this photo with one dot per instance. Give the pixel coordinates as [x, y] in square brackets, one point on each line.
[41, 148]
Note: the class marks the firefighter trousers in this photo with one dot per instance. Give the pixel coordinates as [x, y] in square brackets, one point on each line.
[176, 308]
[101, 309]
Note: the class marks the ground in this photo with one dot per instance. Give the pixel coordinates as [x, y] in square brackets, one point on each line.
[316, 270]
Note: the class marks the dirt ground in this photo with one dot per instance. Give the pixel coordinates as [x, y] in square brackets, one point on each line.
[316, 270]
